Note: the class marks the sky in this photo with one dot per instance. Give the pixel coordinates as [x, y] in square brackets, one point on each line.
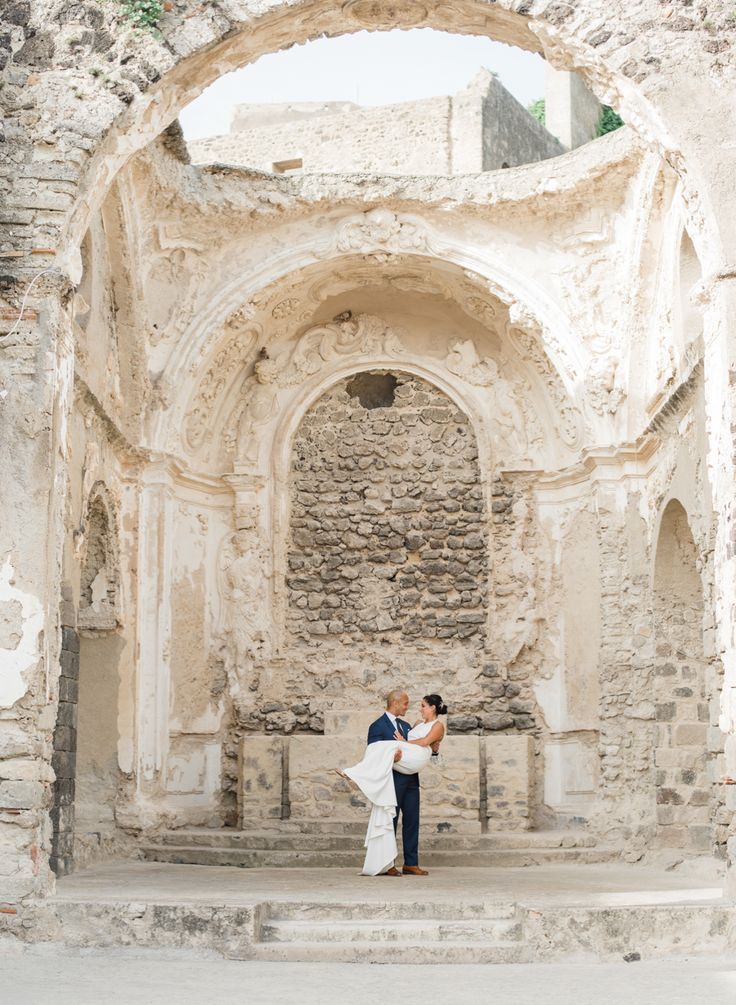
[370, 68]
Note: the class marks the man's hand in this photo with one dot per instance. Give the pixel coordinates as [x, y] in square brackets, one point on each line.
[435, 747]
[397, 755]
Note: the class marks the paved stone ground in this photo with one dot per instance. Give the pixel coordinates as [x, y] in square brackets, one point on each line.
[53, 976]
[611, 884]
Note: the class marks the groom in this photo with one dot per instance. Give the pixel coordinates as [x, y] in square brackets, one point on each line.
[407, 786]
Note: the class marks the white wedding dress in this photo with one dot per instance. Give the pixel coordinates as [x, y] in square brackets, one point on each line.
[374, 775]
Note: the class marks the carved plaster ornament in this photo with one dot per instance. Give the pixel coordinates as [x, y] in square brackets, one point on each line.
[260, 396]
[604, 393]
[227, 362]
[481, 310]
[362, 333]
[379, 13]
[462, 359]
[569, 420]
[381, 230]
[243, 572]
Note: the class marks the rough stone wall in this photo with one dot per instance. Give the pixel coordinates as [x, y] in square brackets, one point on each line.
[479, 129]
[682, 714]
[626, 707]
[511, 136]
[387, 517]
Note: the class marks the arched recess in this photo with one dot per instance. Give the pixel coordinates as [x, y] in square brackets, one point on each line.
[220, 343]
[681, 701]
[100, 646]
[99, 588]
[228, 43]
[283, 446]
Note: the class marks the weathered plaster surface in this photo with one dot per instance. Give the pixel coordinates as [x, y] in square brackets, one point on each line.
[563, 297]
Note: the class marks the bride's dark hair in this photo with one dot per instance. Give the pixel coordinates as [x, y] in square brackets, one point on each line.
[435, 700]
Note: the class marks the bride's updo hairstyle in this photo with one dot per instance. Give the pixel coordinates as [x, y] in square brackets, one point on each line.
[435, 700]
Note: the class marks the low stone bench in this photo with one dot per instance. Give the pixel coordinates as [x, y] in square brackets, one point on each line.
[297, 771]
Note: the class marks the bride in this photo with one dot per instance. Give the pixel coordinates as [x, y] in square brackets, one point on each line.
[374, 777]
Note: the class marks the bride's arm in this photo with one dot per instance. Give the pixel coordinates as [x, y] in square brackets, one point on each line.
[435, 734]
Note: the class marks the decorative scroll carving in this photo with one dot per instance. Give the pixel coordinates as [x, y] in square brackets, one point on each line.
[322, 344]
[362, 334]
[223, 368]
[381, 230]
[569, 419]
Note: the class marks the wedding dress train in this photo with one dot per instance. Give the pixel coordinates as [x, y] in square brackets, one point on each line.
[374, 777]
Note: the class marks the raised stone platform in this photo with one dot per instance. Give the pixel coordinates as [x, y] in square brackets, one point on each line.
[535, 914]
[339, 844]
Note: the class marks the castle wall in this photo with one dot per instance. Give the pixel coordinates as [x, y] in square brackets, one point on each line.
[481, 128]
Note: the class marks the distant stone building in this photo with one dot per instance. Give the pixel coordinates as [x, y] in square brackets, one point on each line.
[481, 128]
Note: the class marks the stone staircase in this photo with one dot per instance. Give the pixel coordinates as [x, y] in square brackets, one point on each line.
[296, 844]
[420, 932]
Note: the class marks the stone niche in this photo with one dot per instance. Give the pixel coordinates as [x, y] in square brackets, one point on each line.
[388, 530]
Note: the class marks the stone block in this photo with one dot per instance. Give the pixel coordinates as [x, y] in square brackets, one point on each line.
[349, 722]
[21, 795]
[509, 770]
[690, 734]
[68, 689]
[316, 792]
[451, 786]
[14, 741]
[69, 664]
[261, 774]
[64, 764]
[67, 713]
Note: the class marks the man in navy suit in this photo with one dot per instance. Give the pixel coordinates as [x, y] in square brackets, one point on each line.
[407, 786]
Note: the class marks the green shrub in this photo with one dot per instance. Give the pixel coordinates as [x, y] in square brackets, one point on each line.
[142, 13]
[609, 121]
[536, 109]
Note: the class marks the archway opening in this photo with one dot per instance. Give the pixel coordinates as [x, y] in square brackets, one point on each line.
[681, 701]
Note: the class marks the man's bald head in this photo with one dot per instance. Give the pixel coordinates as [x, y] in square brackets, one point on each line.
[397, 702]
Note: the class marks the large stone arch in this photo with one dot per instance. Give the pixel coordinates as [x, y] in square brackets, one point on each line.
[235, 34]
[65, 173]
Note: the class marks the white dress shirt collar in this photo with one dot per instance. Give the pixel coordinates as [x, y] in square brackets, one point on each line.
[392, 717]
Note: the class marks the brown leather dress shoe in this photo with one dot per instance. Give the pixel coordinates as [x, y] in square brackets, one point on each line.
[393, 871]
[414, 870]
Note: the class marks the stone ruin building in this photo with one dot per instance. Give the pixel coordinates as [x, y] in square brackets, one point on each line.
[291, 418]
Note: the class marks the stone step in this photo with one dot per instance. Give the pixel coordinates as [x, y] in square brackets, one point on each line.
[353, 825]
[341, 840]
[246, 858]
[410, 930]
[336, 913]
[391, 952]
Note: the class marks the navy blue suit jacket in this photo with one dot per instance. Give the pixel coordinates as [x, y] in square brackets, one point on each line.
[383, 729]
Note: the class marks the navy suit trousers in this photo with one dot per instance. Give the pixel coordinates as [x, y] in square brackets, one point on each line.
[407, 800]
